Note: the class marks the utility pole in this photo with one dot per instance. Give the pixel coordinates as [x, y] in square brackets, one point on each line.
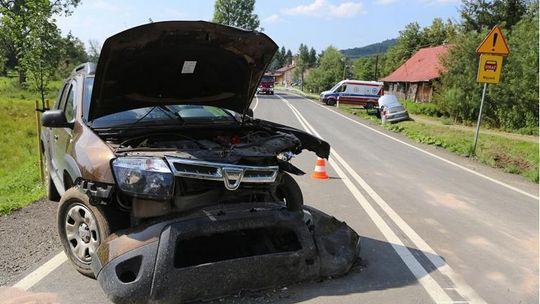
[376, 66]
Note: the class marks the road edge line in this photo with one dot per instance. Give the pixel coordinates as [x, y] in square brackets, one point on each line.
[41, 272]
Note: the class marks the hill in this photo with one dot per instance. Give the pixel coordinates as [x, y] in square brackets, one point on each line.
[368, 50]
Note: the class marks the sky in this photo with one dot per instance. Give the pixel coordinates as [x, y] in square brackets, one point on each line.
[317, 23]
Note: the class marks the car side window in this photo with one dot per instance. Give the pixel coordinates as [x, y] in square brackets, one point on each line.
[58, 105]
[342, 89]
[69, 109]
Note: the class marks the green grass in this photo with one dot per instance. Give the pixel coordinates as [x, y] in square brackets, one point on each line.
[511, 155]
[20, 182]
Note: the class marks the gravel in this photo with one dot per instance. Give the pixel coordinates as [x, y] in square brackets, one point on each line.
[28, 237]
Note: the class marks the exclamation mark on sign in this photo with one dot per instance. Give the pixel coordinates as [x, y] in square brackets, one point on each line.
[494, 41]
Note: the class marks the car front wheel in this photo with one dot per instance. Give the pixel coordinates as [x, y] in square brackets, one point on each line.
[81, 228]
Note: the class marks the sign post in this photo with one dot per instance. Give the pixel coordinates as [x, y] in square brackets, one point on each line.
[491, 51]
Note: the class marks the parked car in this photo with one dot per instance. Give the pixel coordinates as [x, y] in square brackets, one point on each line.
[169, 191]
[391, 110]
[266, 85]
[363, 93]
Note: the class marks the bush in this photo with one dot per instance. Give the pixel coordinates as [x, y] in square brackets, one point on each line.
[429, 109]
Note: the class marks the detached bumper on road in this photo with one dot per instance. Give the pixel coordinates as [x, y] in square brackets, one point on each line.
[221, 251]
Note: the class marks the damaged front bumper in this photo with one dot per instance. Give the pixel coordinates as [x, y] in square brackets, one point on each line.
[222, 250]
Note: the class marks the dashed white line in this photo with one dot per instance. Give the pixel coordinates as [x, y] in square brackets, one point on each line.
[429, 153]
[37, 275]
[422, 275]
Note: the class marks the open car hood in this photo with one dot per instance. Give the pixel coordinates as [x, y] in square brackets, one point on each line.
[179, 62]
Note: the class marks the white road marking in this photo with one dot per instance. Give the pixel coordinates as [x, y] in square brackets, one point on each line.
[210, 216]
[429, 153]
[256, 102]
[431, 286]
[37, 275]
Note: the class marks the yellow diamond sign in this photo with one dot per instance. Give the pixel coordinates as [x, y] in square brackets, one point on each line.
[489, 69]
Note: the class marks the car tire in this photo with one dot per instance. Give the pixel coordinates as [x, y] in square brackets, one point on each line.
[289, 191]
[89, 228]
[331, 102]
[48, 184]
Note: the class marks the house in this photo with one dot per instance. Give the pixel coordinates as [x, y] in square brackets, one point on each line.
[414, 79]
[284, 75]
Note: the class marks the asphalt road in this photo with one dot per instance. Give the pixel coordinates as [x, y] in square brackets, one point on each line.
[435, 228]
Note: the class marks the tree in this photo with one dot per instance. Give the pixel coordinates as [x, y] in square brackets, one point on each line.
[288, 57]
[516, 97]
[513, 103]
[409, 41]
[364, 68]
[438, 32]
[328, 73]
[17, 18]
[94, 48]
[237, 13]
[279, 60]
[42, 47]
[478, 15]
[312, 57]
[302, 62]
[73, 54]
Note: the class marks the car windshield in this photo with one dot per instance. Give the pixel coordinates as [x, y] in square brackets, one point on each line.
[157, 115]
[267, 79]
[335, 87]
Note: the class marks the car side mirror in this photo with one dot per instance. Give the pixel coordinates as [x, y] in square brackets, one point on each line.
[55, 119]
[249, 112]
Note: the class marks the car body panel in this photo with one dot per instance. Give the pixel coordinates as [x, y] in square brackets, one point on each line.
[179, 62]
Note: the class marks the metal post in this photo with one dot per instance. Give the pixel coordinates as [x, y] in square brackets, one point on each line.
[479, 120]
[40, 152]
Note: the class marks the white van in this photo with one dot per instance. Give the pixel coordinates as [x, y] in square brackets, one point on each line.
[364, 93]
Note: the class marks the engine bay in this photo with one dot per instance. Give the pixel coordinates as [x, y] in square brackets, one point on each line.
[251, 147]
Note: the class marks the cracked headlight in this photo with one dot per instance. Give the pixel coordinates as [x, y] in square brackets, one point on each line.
[144, 177]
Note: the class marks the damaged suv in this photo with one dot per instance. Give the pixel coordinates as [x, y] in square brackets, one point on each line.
[168, 185]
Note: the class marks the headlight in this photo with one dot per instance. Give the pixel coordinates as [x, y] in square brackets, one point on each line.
[144, 177]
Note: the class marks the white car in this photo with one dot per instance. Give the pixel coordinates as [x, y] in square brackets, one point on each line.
[391, 110]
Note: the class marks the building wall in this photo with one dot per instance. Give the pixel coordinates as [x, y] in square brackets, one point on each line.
[416, 91]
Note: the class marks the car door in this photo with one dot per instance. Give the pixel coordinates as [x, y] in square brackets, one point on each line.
[62, 137]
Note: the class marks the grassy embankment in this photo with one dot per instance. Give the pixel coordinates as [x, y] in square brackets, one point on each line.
[513, 153]
[20, 182]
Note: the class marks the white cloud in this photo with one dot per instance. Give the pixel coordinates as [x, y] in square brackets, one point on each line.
[386, 2]
[271, 19]
[323, 8]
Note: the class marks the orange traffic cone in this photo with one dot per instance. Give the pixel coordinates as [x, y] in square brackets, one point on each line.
[320, 169]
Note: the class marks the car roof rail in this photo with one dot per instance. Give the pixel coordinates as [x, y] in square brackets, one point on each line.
[87, 68]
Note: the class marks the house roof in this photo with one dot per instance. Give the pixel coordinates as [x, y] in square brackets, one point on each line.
[285, 68]
[424, 65]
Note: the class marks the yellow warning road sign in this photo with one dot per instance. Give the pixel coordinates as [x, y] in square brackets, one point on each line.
[489, 69]
[494, 43]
